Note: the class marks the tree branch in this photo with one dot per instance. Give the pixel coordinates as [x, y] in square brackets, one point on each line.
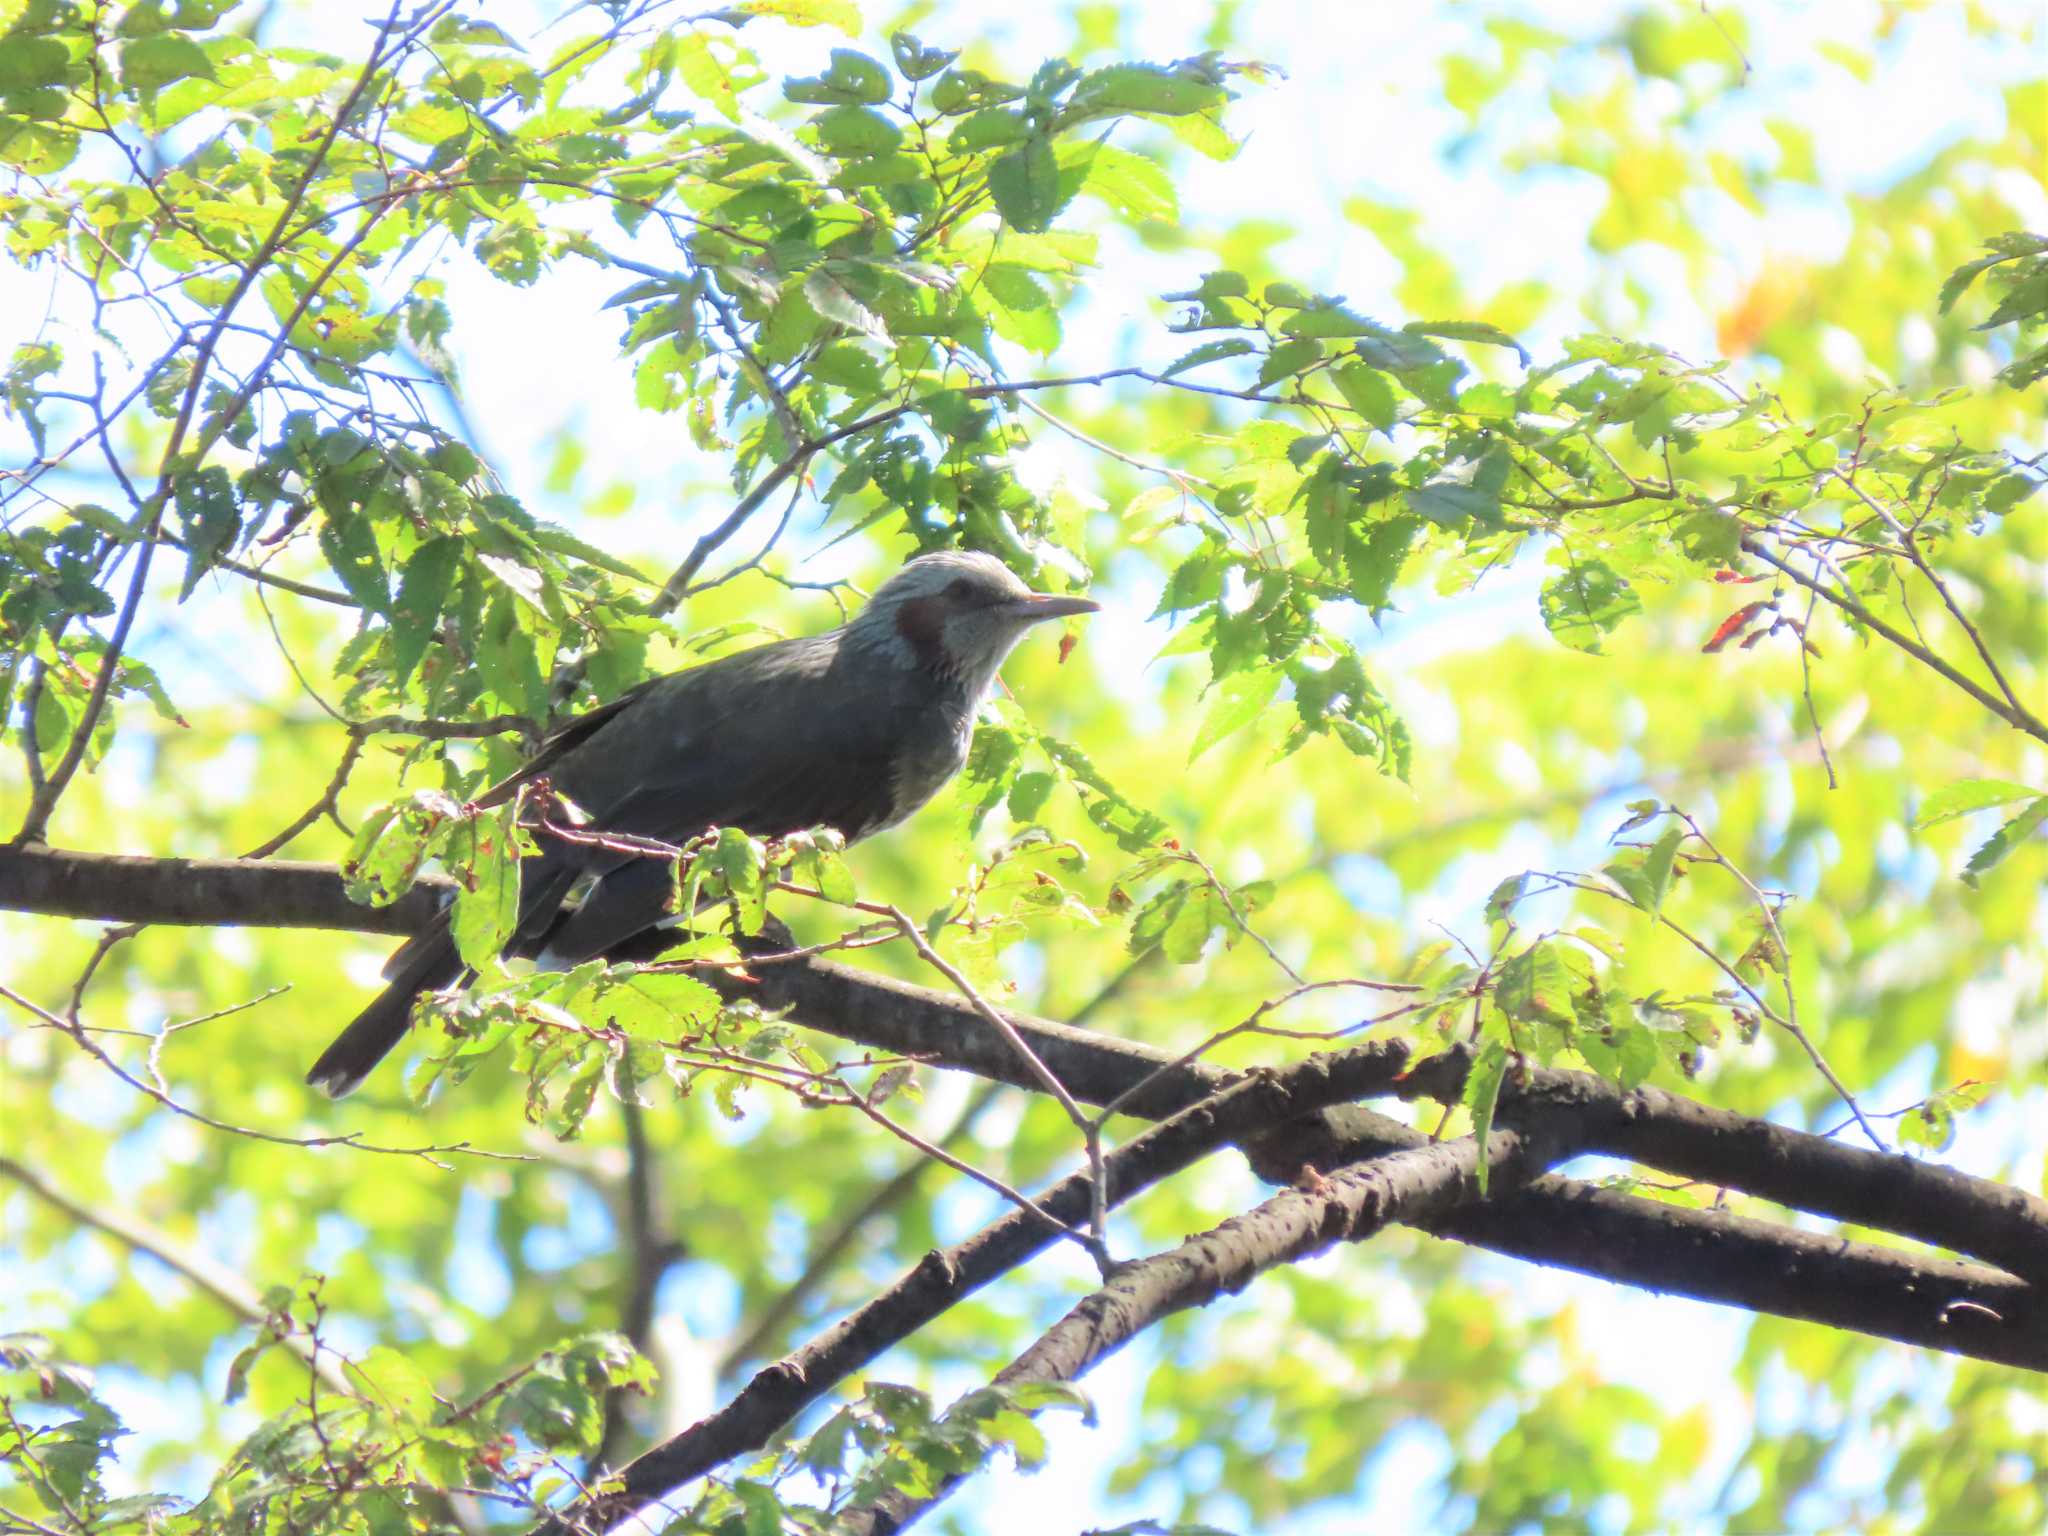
[2001, 1224]
[1350, 1205]
[2018, 719]
[1708, 1255]
[780, 1391]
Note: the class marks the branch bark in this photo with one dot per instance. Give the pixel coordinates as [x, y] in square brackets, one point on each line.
[1998, 1223]
[1350, 1205]
[1707, 1255]
[778, 1392]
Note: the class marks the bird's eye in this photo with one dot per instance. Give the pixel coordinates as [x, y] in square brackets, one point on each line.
[960, 590]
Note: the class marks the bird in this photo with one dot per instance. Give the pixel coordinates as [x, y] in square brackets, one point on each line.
[853, 729]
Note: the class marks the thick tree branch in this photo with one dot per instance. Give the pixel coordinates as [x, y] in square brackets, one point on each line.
[207, 893]
[780, 1391]
[1350, 1205]
[1708, 1255]
[1998, 1223]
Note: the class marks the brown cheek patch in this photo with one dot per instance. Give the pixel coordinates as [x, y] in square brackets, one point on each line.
[921, 621]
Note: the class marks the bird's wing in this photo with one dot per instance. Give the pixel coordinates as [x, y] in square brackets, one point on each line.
[769, 798]
[561, 742]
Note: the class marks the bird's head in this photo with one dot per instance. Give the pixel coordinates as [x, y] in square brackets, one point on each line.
[956, 614]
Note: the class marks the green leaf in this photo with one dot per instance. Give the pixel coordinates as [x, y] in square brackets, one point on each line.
[391, 844]
[1134, 185]
[350, 545]
[1240, 698]
[1178, 921]
[1142, 88]
[423, 589]
[1585, 601]
[393, 1383]
[1481, 1095]
[914, 61]
[1025, 183]
[1968, 795]
[654, 1005]
[2005, 840]
[559, 540]
[208, 519]
[1287, 359]
[507, 660]
[990, 128]
[843, 14]
[1645, 874]
[821, 865]
[151, 63]
[52, 722]
[1028, 794]
[1501, 904]
[1468, 330]
[853, 80]
[1209, 352]
[487, 889]
[1469, 493]
[848, 131]
[1536, 986]
[1622, 1051]
[29, 62]
[1021, 309]
[1368, 392]
[743, 861]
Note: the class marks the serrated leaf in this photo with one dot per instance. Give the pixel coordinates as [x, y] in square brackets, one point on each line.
[1240, 699]
[853, 80]
[1585, 601]
[1368, 392]
[350, 545]
[990, 128]
[151, 63]
[743, 862]
[2008, 837]
[560, 541]
[487, 890]
[1287, 359]
[1645, 874]
[1208, 352]
[423, 589]
[1501, 903]
[1481, 1096]
[395, 1384]
[208, 518]
[1536, 986]
[1134, 185]
[1167, 92]
[1968, 795]
[1468, 330]
[1456, 498]
[1025, 183]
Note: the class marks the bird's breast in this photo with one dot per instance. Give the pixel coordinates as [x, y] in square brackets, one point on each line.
[931, 749]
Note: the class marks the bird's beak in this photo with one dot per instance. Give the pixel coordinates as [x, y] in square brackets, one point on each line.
[1044, 605]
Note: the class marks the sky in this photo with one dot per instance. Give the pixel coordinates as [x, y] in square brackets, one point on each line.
[1358, 112]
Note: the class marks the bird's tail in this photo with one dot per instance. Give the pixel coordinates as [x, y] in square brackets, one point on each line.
[424, 962]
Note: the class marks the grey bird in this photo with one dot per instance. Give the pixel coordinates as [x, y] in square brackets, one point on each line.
[853, 729]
